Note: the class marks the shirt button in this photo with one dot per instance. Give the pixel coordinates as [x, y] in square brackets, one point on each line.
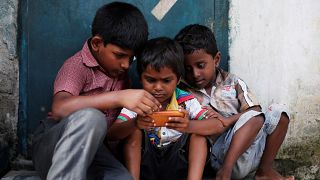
[164, 133]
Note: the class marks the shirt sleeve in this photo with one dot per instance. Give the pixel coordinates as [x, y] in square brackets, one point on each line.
[195, 110]
[245, 96]
[126, 114]
[71, 77]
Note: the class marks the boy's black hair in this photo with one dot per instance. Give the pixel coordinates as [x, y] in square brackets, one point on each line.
[121, 24]
[197, 37]
[159, 53]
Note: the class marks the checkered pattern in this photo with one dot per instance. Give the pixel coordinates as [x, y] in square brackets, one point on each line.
[82, 75]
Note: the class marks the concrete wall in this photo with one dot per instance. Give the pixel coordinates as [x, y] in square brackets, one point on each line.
[275, 48]
[8, 79]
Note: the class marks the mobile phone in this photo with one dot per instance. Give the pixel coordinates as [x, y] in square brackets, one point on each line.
[161, 117]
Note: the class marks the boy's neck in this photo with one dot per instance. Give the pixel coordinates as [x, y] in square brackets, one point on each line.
[164, 105]
[90, 48]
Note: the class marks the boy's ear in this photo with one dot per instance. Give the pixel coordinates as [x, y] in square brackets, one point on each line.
[217, 58]
[96, 42]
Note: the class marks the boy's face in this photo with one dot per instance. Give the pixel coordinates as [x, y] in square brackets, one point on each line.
[160, 84]
[112, 58]
[201, 68]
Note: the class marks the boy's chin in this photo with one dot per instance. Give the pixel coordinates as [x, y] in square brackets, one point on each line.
[115, 74]
[198, 86]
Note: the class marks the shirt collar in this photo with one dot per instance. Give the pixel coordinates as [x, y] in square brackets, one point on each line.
[219, 79]
[88, 58]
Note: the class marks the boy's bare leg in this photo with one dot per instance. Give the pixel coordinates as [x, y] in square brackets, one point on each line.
[132, 153]
[241, 141]
[273, 143]
[197, 156]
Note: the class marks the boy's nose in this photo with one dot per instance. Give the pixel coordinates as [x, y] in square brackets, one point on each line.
[196, 73]
[158, 86]
[125, 64]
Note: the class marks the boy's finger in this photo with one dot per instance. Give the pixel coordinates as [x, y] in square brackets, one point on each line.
[151, 104]
[139, 112]
[173, 120]
[175, 125]
[145, 109]
[146, 124]
[153, 101]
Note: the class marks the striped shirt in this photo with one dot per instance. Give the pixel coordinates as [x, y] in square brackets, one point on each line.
[161, 136]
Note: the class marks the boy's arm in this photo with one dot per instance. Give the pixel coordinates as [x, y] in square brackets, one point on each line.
[206, 127]
[139, 101]
[121, 129]
[227, 122]
[210, 126]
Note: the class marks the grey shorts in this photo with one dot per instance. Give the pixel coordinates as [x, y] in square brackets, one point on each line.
[250, 159]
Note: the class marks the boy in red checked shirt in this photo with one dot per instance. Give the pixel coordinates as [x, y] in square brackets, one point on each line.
[88, 92]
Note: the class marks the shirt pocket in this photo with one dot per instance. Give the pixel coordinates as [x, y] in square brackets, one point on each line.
[226, 106]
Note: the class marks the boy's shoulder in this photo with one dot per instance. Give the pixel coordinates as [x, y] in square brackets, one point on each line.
[82, 60]
[183, 96]
[226, 78]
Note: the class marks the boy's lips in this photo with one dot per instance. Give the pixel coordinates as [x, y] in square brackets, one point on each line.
[158, 95]
[199, 82]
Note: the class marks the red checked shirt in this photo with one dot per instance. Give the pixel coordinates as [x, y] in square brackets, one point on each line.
[82, 75]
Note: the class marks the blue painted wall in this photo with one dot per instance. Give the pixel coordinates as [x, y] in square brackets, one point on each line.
[51, 31]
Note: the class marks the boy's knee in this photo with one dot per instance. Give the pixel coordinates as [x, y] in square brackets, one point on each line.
[89, 118]
[195, 136]
[135, 139]
[250, 119]
[276, 114]
[284, 117]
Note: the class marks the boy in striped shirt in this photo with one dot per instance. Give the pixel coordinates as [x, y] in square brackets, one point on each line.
[180, 147]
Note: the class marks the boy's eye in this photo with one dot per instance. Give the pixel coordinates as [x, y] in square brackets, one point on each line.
[150, 80]
[119, 55]
[188, 68]
[167, 81]
[201, 65]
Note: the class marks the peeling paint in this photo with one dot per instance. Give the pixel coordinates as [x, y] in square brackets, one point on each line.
[162, 8]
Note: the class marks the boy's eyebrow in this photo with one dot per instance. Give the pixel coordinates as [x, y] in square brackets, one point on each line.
[167, 77]
[120, 52]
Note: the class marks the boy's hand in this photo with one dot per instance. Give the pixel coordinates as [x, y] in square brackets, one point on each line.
[210, 112]
[214, 114]
[144, 122]
[139, 101]
[179, 123]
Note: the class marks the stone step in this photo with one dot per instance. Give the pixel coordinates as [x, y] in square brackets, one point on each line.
[21, 175]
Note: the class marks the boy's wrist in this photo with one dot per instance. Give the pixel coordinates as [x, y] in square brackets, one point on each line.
[119, 98]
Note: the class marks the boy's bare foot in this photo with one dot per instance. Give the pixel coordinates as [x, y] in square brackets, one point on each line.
[270, 174]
